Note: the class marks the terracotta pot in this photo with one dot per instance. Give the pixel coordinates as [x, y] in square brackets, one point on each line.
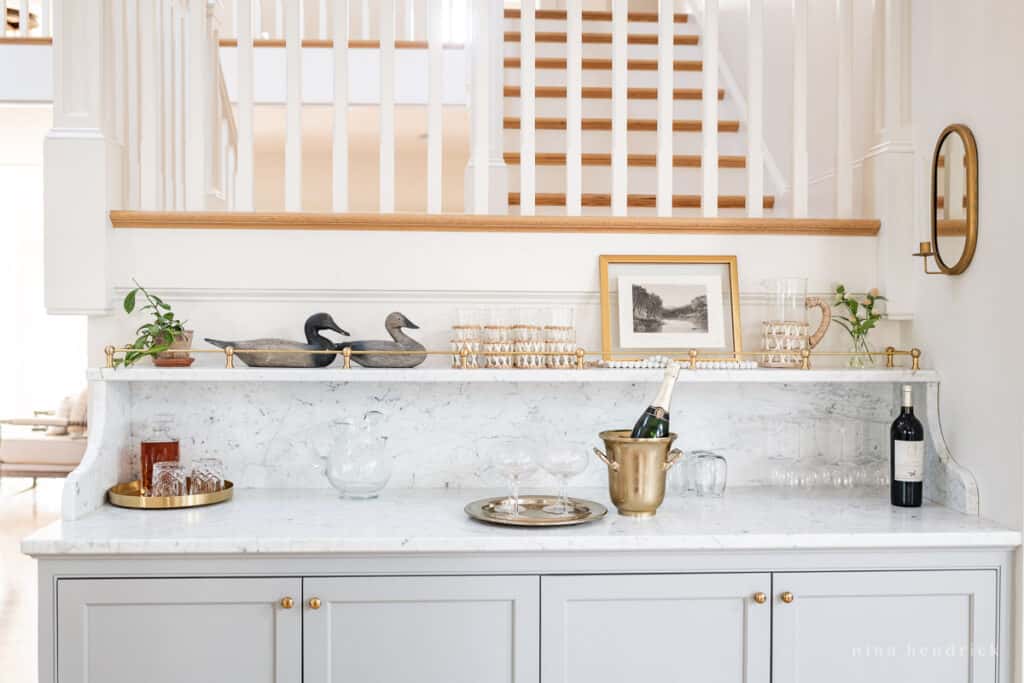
[178, 355]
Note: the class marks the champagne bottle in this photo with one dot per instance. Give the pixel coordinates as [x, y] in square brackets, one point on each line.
[653, 424]
[907, 455]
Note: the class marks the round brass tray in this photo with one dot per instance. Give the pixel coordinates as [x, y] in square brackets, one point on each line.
[129, 495]
[532, 513]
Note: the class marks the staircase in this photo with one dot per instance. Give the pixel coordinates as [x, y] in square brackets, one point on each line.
[641, 126]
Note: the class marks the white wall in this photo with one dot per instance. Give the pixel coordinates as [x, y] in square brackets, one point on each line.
[42, 358]
[966, 69]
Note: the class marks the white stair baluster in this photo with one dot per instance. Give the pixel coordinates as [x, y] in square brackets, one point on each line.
[480, 112]
[244, 97]
[800, 178]
[574, 110]
[364, 20]
[339, 153]
[24, 18]
[45, 29]
[387, 105]
[528, 110]
[149, 96]
[620, 107]
[666, 105]
[844, 110]
[755, 108]
[293, 107]
[167, 110]
[279, 29]
[709, 124]
[197, 136]
[321, 22]
[435, 112]
[257, 19]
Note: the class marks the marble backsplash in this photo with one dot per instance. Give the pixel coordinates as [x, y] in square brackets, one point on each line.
[442, 434]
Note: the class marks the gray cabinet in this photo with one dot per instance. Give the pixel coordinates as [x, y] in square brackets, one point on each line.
[879, 626]
[173, 630]
[713, 628]
[886, 627]
[473, 629]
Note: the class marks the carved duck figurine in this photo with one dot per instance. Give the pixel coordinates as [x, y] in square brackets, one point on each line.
[394, 324]
[315, 341]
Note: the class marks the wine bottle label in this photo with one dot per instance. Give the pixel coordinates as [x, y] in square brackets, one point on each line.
[908, 461]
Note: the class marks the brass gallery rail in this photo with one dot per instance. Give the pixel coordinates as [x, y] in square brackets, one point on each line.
[694, 356]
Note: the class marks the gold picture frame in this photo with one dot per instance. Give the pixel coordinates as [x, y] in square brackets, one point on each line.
[732, 317]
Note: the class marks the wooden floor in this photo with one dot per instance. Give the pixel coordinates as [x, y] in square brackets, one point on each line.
[21, 514]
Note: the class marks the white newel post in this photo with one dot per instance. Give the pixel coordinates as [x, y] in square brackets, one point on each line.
[889, 164]
[487, 86]
[82, 161]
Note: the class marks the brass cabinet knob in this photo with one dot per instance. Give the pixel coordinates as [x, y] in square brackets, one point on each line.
[287, 603]
[760, 598]
[787, 597]
[314, 603]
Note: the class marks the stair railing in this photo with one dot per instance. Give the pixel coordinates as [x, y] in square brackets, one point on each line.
[14, 26]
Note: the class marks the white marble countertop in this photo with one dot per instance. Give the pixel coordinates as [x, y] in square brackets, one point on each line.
[218, 373]
[277, 521]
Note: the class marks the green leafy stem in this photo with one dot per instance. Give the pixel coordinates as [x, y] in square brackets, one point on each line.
[153, 337]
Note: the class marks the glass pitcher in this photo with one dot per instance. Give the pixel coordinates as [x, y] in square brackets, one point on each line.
[358, 462]
[786, 333]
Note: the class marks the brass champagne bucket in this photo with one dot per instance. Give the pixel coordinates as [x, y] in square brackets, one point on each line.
[636, 470]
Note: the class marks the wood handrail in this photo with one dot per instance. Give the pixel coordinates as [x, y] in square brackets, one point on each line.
[410, 222]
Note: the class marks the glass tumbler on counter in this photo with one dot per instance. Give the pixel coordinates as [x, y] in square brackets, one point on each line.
[159, 446]
[207, 476]
[169, 479]
[498, 340]
[560, 338]
[702, 474]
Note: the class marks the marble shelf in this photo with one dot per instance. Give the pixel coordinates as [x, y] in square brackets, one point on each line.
[289, 521]
[448, 375]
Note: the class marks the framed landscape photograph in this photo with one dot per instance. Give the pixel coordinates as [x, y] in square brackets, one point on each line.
[668, 305]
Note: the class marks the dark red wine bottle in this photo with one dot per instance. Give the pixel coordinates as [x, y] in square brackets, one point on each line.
[906, 465]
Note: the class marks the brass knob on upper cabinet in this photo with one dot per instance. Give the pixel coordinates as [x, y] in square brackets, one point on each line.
[287, 603]
[760, 598]
[314, 603]
[787, 597]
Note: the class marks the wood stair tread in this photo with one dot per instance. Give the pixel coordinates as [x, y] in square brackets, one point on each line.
[636, 160]
[649, 201]
[636, 125]
[596, 15]
[602, 38]
[606, 64]
[603, 93]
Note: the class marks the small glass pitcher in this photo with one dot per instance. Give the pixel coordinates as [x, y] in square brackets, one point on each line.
[787, 333]
[358, 462]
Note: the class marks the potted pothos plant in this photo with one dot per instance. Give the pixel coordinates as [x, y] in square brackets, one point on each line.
[162, 338]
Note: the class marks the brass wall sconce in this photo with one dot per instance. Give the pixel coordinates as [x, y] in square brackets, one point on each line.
[954, 203]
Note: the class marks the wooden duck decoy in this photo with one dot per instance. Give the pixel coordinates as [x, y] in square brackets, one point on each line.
[315, 341]
[394, 324]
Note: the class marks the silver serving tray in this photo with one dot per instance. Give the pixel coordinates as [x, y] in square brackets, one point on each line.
[531, 511]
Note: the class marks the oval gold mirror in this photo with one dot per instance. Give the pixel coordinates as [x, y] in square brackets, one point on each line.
[955, 199]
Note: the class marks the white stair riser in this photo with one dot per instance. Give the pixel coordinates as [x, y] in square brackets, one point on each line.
[550, 107]
[603, 78]
[600, 142]
[604, 50]
[598, 179]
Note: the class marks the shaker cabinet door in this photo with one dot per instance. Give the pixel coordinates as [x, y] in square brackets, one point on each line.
[443, 629]
[173, 630]
[656, 628]
[885, 627]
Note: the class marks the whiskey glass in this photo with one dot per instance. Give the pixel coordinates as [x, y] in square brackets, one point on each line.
[207, 476]
[169, 479]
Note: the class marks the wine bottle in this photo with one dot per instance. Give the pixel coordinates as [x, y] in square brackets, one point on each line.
[653, 424]
[907, 462]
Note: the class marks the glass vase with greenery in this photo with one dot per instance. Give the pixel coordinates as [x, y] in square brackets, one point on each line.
[858, 318]
[155, 336]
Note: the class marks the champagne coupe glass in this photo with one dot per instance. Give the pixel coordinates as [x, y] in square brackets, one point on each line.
[565, 463]
[514, 460]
